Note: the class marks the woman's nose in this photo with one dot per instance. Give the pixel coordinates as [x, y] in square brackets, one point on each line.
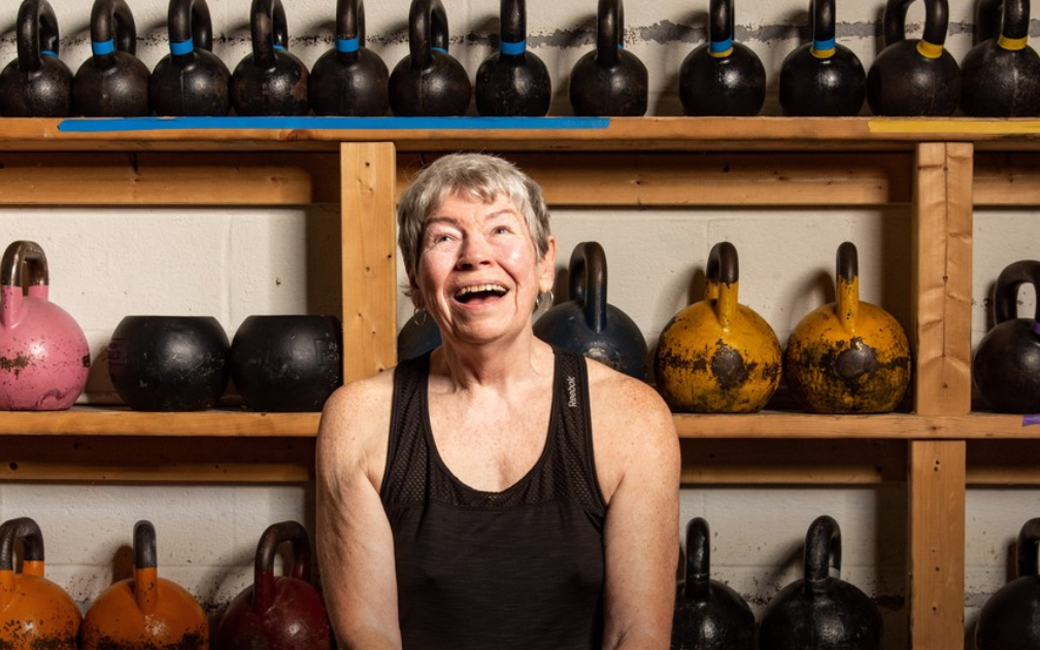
[474, 252]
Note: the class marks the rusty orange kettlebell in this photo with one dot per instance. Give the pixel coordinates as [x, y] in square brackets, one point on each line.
[718, 356]
[35, 613]
[848, 356]
[284, 613]
[145, 612]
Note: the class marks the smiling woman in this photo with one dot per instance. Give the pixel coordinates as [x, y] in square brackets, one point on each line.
[495, 493]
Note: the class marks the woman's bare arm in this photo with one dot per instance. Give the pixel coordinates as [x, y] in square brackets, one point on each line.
[355, 544]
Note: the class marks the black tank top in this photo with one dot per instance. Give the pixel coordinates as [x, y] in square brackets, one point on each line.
[521, 568]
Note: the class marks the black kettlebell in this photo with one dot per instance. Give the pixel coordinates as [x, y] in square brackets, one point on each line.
[914, 77]
[1001, 76]
[822, 78]
[112, 82]
[988, 16]
[587, 324]
[1007, 361]
[190, 80]
[419, 335]
[1008, 620]
[349, 79]
[821, 611]
[37, 83]
[287, 363]
[722, 77]
[429, 81]
[270, 80]
[709, 615]
[610, 80]
[169, 363]
[513, 81]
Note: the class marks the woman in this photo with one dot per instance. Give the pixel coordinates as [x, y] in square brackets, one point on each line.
[496, 493]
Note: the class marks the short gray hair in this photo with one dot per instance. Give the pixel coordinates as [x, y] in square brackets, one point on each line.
[468, 175]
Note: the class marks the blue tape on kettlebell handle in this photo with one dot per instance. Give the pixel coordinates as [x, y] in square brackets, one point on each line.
[721, 49]
[442, 50]
[1029, 420]
[49, 53]
[101, 48]
[828, 44]
[513, 48]
[182, 47]
[279, 48]
[348, 45]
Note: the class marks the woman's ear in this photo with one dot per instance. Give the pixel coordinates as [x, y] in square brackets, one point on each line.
[547, 270]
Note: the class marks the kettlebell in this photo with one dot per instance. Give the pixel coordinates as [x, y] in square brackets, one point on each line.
[821, 611]
[418, 336]
[610, 80]
[35, 613]
[349, 79]
[145, 611]
[169, 363]
[1001, 76]
[718, 356]
[428, 81]
[190, 80]
[848, 356]
[722, 77]
[1007, 360]
[709, 615]
[914, 77]
[112, 82]
[287, 363]
[284, 613]
[270, 80]
[513, 81]
[36, 83]
[822, 78]
[1007, 621]
[44, 356]
[587, 324]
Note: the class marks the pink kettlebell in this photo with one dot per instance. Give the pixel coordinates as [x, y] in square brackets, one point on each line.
[44, 357]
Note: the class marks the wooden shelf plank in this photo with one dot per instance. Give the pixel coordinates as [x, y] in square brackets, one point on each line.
[109, 421]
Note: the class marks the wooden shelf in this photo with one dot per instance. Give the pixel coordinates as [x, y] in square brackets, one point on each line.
[108, 421]
[880, 426]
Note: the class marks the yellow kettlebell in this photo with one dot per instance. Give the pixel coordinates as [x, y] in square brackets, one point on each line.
[718, 356]
[848, 356]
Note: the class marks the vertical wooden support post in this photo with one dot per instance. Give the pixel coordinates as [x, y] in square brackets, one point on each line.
[936, 510]
[368, 177]
[942, 278]
[942, 231]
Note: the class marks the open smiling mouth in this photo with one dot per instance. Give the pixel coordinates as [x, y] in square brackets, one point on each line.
[480, 293]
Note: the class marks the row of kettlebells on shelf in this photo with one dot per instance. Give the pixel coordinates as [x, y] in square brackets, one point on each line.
[718, 356]
[158, 363]
[148, 611]
[1000, 78]
[822, 611]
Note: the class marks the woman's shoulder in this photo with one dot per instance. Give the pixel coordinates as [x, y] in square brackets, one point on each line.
[356, 417]
[620, 396]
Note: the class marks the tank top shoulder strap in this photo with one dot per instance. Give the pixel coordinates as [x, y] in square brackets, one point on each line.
[574, 435]
[407, 455]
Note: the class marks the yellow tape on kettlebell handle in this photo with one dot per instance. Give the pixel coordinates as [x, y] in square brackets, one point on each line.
[1013, 44]
[929, 50]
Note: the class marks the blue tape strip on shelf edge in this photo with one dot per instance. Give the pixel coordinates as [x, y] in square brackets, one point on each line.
[112, 125]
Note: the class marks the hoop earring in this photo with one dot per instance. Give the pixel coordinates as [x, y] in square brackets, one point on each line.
[419, 316]
[545, 300]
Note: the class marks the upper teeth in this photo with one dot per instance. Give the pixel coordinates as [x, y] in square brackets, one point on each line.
[481, 287]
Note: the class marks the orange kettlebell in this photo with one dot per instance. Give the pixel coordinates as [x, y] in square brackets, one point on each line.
[145, 612]
[34, 612]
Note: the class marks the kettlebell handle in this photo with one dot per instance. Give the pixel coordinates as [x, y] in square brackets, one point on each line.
[37, 34]
[1005, 298]
[269, 31]
[1014, 30]
[936, 22]
[190, 27]
[24, 264]
[350, 26]
[146, 578]
[610, 32]
[824, 33]
[112, 29]
[588, 283]
[988, 15]
[698, 554]
[427, 31]
[1027, 547]
[848, 287]
[822, 551]
[514, 26]
[723, 275]
[263, 572]
[720, 28]
[27, 530]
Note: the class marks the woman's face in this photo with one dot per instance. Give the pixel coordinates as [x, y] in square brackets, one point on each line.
[479, 275]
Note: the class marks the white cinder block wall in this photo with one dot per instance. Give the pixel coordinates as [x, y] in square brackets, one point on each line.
[230, 263]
